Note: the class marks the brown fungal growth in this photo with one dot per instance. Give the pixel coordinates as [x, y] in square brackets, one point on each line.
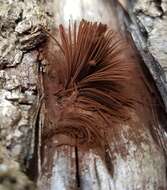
[94, 90]
[86, 84]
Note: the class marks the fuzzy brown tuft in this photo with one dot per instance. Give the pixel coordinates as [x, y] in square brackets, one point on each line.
[85, 86]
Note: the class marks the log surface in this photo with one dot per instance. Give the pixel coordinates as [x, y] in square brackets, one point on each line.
[139, 162]
[137, 159]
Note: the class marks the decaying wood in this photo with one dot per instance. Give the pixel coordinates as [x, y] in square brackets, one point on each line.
[136, 151]
[137, 145]
[143, 29]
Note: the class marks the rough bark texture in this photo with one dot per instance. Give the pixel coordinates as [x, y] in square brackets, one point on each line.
[20, 34]
[150, 33]
[143, 167]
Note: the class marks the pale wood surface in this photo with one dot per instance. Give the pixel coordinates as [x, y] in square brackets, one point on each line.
[139, 163]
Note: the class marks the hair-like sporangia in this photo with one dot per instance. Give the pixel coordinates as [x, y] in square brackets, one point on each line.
[85, 86]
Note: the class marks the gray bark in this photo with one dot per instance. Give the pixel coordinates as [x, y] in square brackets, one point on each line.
[148, 27]
[19, 35]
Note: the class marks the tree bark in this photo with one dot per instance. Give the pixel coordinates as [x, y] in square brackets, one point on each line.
[138, 154]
